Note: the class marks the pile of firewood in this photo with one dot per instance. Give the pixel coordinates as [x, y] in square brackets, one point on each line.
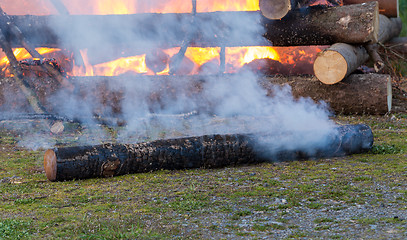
[354, 29]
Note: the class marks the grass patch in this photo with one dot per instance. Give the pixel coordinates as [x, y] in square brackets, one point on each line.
[323, 220]
[386, 149]
[15, 229]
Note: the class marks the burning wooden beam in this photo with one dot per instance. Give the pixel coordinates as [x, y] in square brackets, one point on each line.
[209, 151]
[390, 8]
[355, 24]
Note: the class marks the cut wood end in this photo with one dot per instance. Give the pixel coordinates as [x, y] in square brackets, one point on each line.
[50, 164]
[275, 9]
[57, 127]
[330, 67]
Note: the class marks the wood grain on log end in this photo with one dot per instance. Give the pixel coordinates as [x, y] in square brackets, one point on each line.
[276, 9]
[338, 61]
[50, 164]
[330, 67]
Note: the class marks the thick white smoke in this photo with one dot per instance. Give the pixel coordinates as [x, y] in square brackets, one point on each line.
[233, 104]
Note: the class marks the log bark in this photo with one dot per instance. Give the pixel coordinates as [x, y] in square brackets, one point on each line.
[357, 94]
[389, 28]
[276, 9]
[353, 24]
[338, 61]
[348, 24]
[390, 8]
[209, 151]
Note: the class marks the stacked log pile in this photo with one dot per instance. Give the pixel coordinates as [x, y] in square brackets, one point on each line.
[355, 31]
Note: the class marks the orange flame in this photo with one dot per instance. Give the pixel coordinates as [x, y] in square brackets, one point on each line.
[236, 57]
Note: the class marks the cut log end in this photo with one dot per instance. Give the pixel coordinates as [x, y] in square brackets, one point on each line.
[330, 67]
[50, 164]
[276, 9]
[57, 127]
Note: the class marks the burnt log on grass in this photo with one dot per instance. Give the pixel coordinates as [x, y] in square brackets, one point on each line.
[355, 24]
[209, 151]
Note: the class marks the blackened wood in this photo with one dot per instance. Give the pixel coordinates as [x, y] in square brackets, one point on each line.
[33, 52]
[209, 151]
[310, 26]
[60, 7]
[390, 8]
[352, 24]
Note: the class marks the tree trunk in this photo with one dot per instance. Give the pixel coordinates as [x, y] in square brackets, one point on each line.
[389, 28]
[317, 26]
[338, 61]
[276, 9]
[209, 151]
[357, 94]
[390, 8]
[353, 24]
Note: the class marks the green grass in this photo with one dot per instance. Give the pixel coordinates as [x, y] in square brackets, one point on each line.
[403, 16]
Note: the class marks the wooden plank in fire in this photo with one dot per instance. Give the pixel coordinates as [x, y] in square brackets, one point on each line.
[354, 24]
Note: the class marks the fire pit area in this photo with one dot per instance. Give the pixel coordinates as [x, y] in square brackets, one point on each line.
[278, 68]
[206, 119]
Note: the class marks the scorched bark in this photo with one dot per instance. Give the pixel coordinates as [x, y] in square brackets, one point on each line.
[310, 26]
[209, 151]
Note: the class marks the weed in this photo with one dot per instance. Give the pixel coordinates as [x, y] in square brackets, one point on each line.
[15, 229]
[315, 205]
[386, 149]
[323, 220]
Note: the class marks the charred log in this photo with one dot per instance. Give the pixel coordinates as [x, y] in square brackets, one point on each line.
[319, 26]
[324, 26]
[209, 151]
